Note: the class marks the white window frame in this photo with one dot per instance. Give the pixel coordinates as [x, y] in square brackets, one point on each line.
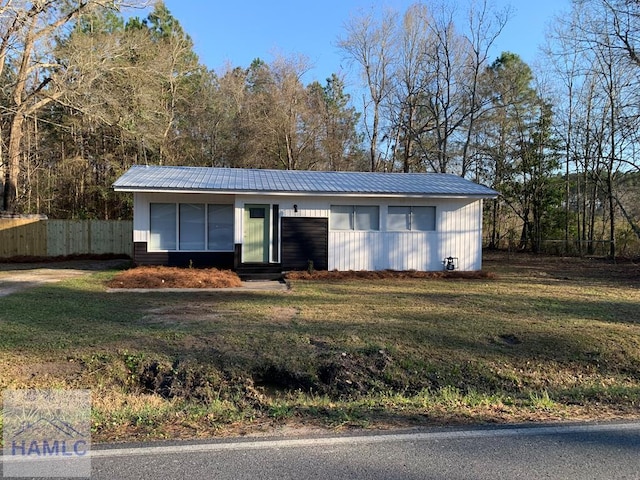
[353, 218]
[410, 220]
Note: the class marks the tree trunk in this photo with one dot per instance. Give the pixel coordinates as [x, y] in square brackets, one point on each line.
[373, 148]
[592, 219]
[12, 169]
[625, 214]
[612, 222]
[3, 174]
[493, 244]
[526, 229]
[612, 205]
[567, 172]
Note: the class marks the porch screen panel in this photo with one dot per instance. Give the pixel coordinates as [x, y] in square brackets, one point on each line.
[192, 226]
[162, 226]
[220, 227]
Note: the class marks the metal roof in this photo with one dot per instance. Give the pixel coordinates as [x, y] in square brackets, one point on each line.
[240, 180]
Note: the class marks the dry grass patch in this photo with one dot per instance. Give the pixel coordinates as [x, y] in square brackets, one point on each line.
[538, 339]
[173, 277]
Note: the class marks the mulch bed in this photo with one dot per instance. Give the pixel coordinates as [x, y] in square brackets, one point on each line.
[173, 277]
[391, 274]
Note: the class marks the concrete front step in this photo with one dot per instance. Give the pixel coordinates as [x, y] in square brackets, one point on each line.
[259, 271]
[259, 276]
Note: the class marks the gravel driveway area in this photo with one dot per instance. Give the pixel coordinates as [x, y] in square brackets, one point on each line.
[15, 277]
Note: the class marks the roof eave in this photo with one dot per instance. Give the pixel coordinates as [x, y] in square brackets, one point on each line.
[305, 194]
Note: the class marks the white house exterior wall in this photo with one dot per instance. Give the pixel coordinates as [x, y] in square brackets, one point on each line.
[460, 234]
[457, 234]
[458, 230]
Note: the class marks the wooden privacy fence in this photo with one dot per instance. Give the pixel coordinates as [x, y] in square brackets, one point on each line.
[52, 238]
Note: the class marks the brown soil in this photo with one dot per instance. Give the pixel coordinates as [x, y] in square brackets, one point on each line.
[173, 277]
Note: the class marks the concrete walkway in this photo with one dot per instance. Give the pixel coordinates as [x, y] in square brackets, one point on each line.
[251, 286]
[20, 276]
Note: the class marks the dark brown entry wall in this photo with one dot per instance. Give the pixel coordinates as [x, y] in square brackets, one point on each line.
[305, 239]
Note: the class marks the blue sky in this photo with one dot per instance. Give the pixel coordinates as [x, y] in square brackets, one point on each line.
[225, 32]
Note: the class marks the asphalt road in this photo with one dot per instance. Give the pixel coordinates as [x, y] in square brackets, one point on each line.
[605, 451]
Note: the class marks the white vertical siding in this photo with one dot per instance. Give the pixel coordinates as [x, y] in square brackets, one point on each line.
[476, 249]
[412, 250]
[461, 235]
[457, 234]
[350, 250]
[140, 216]
[307, 207]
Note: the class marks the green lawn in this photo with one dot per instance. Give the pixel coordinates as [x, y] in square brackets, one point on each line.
[545, 339]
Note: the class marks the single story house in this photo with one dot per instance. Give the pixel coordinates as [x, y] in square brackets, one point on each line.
[253, 220]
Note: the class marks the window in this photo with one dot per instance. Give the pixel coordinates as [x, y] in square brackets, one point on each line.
[419, 219]
[341, 217]
[190, 227]
[220, 223]
[162, 226]
[367, 218]
[355, 217]
[399, 218]
[256, 212]
[423, 219]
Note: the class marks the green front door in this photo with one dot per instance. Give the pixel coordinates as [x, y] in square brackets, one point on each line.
[256, 234]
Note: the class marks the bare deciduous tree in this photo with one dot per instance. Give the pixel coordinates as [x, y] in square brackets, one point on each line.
[29, 30]
[372, 45]
[594, 49]
[422, 78]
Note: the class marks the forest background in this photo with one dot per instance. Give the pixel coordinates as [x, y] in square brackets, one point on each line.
[90, 88]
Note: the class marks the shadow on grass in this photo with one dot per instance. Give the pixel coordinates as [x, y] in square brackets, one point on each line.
[470, 324]
[465, 339]
[353, 340]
